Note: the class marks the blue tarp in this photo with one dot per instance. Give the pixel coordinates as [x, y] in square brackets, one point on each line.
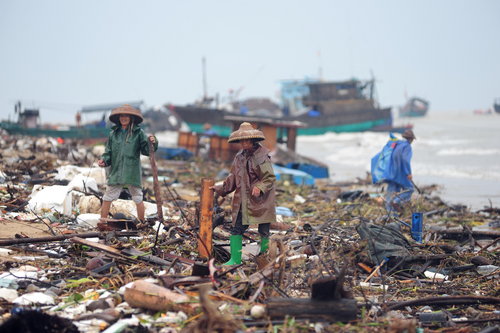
[297, 176]
[317, 171]
[313, 113]
[173, 153]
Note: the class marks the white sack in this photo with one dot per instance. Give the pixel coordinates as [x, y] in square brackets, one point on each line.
[52, 198]
[83, 183]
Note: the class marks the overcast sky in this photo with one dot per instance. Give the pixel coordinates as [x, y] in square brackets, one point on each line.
[61, 55]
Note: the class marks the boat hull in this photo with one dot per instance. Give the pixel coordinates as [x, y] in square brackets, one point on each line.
[71, 133]
[413, 113]
[496, 107]
[360, 121]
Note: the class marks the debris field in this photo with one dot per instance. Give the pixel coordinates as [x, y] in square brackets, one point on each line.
[337, 262]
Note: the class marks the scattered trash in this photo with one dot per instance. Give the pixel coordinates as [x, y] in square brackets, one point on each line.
[284, 211]
[434, 276]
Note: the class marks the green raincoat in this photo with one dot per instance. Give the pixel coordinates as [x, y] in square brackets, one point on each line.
[123, 155]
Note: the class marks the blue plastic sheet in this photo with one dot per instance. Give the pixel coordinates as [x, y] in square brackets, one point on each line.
[317, 171]
[297, 176]
[173, 153]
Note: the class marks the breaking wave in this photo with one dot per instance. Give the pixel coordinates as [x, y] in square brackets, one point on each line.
[467, 151]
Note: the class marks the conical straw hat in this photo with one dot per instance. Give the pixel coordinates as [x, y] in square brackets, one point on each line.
[246, 131]
[408, 134]
[126, 109]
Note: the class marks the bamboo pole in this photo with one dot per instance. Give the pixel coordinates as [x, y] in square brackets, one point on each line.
[206, 212]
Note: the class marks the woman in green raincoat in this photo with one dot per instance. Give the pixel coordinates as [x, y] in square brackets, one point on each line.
[126, 142]
[252, 180]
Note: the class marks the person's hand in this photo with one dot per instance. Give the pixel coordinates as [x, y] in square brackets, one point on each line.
[101, 163]
[256, 191]
[152, 138]
[216, 190]
[410, 177]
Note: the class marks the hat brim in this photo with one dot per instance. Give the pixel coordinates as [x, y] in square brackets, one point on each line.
[115, 118]
[250, 137]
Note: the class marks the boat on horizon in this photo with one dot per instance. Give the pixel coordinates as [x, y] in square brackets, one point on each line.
[496, 105]
[331, 106]
[414, 107]
[28, 123]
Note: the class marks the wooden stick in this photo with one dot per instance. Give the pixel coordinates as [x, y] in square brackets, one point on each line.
[416, 187]
[375, 270]
[156, 185]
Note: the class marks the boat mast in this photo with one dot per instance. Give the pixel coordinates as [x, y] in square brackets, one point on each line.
[320, 67]
[204, 72]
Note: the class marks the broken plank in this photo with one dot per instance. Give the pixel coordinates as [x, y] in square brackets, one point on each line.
[102, 247]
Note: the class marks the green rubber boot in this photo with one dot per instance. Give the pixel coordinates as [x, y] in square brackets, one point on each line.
[264, 245]
[236, 244]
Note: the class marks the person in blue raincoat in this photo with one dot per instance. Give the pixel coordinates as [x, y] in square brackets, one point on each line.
[399, 176]
[126, 142]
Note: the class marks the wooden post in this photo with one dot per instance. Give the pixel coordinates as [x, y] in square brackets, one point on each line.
[206, 212]
[291, 139]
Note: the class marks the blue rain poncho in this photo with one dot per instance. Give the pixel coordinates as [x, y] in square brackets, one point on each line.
[400, 166]
[381, 162]
[392, 164]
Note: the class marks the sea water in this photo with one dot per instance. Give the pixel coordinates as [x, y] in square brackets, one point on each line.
[458, 151]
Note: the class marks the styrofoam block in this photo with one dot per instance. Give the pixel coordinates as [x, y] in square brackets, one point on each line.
[89, 220]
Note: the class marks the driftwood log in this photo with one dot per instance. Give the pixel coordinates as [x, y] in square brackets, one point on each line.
[343, 310]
